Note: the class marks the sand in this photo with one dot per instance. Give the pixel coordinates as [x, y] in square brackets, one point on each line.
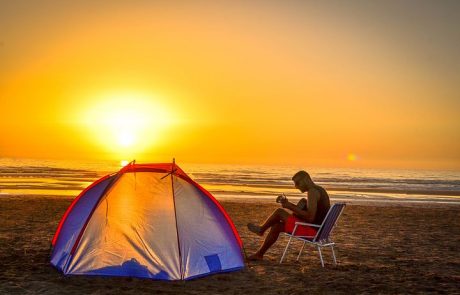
[381, 249]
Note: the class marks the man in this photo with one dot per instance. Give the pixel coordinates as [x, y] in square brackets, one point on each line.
[281, 220]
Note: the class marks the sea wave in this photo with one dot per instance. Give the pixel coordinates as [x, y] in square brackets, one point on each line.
[56, 178]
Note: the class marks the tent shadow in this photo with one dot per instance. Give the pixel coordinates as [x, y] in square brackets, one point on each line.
[130, 268]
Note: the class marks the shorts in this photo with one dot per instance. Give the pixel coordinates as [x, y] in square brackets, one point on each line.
[302, 230]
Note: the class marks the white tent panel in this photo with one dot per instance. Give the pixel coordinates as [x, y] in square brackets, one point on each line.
[207, 241]
[133, 227]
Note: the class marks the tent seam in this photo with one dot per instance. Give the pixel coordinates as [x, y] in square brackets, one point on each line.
[177, 229]
[80, 235]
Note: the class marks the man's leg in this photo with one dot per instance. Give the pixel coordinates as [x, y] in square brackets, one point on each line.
[276, 224]
[277, 216]
[270, 239]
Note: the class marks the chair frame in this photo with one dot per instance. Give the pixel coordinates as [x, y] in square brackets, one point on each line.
[313, 240]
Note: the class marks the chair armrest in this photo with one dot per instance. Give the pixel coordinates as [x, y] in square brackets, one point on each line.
[309, 224]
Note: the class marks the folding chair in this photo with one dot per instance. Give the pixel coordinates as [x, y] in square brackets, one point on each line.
[321, 239]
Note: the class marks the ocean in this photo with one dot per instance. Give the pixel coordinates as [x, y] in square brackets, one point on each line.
[31, 177]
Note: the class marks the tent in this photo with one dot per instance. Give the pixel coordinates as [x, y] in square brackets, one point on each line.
[147, 221]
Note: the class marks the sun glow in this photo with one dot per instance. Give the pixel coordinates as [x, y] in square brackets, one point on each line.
[352, 157]
[126, 124]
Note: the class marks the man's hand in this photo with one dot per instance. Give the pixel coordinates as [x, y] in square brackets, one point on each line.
[284, 202]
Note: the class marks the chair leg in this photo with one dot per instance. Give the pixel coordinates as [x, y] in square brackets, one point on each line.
[298, 256]
[321, 256]
[285, 250]
[333, 255]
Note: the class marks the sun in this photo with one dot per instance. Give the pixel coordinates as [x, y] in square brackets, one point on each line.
[126, 124]
[352, 157]
[126, 138]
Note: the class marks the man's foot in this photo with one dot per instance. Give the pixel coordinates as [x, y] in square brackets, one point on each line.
[255, 229]
[255, 257]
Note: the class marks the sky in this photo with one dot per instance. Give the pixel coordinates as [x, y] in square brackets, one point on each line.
[318, 83]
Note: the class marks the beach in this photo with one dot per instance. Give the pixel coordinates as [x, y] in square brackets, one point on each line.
[381, 248]
[140, 138]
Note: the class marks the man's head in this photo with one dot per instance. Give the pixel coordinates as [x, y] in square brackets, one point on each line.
[302, 181]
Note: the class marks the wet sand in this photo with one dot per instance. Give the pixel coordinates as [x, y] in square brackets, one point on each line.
[380, 248]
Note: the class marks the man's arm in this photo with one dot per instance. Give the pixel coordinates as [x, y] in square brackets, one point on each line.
[309, 214]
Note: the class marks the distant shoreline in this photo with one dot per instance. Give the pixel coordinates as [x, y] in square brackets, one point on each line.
[270, 199]
[364, 190]
[329, 189]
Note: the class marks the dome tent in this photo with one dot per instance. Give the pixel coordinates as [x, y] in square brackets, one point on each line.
[147, 221]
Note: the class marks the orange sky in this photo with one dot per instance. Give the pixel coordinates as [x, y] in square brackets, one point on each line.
[357, 85]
